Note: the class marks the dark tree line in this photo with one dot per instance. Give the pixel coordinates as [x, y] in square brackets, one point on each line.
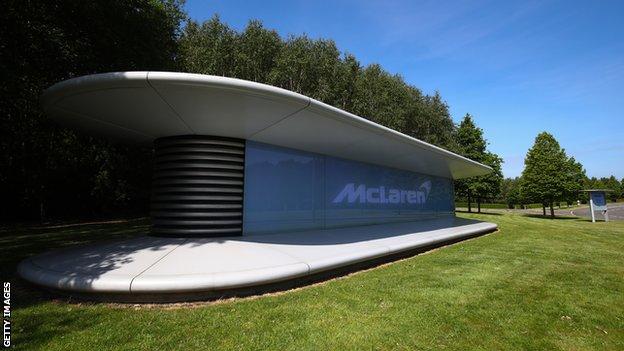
[47, 171]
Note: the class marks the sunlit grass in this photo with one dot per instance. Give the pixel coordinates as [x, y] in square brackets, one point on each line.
[535, 284]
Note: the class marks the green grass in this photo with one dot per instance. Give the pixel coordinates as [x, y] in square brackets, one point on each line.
[535, 284]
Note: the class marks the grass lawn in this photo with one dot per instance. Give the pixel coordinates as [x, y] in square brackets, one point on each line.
[535, 284]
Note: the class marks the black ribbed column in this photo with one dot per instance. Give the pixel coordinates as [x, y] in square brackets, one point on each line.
[197, 188]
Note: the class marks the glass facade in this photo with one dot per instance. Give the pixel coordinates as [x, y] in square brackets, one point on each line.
[288, 189]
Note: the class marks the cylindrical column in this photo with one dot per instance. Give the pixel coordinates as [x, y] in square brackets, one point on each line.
[197, 189]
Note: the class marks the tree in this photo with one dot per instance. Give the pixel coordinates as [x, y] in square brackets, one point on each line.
[469, 138]
[316, 68]
[510, 192]
[471, 144]
[256, 52]
[208, 48]
[44, 42]
[610, 183]
[574, 178]
[548, 175]
[347, 74]
[489, 185]
[382, 98]
[613, 184]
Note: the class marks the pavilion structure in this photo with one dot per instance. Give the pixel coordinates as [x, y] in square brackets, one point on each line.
[252, 185]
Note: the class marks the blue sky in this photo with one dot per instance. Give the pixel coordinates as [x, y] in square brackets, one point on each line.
[518, 67]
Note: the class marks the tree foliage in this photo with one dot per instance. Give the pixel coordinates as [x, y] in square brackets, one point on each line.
[316, 68]
[510, 192]
[472, 144]
[549, 175]
[573, 180]
[610, 183]
[45, 169]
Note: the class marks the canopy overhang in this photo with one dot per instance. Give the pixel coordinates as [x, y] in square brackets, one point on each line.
[142, 106]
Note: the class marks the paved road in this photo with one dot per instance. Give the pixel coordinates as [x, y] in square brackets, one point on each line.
[616, 212]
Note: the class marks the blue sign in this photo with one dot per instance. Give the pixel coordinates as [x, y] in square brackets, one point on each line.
[288, 189]
[598, 198]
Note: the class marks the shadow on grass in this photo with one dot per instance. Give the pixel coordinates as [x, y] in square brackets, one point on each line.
[480, 213]
[534, 215]
[530, 215]
[20, 242]
[588, 220]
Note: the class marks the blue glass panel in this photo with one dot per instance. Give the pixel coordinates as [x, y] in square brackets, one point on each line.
[288, 189]
[360, 193]
[283, 189]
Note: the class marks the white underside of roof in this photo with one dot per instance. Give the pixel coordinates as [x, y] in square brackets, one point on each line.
[142, 106]
[150, 265]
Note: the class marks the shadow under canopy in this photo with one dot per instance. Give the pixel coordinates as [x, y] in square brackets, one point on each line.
[153, 265]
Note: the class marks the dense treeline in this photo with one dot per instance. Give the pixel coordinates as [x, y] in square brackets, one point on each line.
[510, 191]
[47, 171]
[610, 183]
[316, 68]
[512, 195]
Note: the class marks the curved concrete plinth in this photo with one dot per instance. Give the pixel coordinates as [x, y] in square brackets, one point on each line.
[152, 266]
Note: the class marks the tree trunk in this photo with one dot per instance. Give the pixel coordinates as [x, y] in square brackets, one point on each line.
[41, 212]
[544, 209]
[469, 204]
[42, 207]
[479, 205]
[552, 211]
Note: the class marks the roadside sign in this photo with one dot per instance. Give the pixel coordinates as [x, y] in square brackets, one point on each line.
[598, 202]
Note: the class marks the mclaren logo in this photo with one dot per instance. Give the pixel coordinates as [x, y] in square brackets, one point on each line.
[362, 194]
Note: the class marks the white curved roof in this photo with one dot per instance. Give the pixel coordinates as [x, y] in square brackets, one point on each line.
[142, 106]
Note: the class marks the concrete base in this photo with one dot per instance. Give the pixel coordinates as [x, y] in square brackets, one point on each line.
[152, 265]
